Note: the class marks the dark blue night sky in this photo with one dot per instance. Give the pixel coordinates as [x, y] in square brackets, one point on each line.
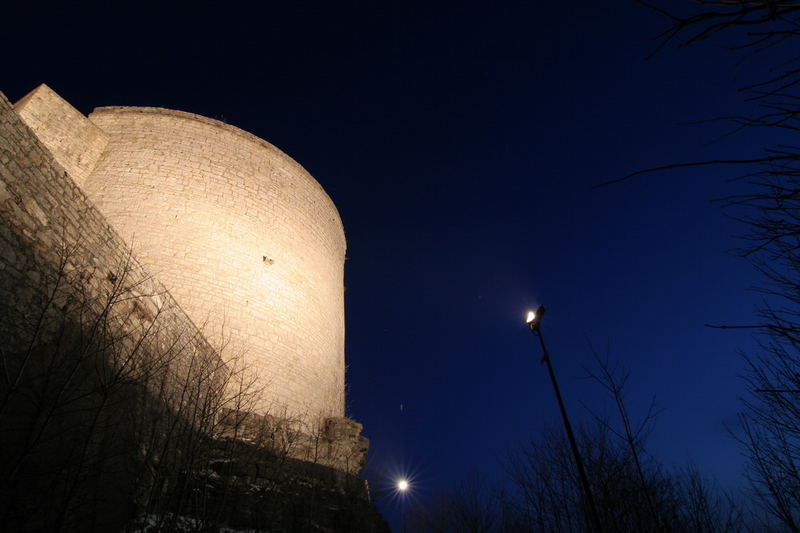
[461, 144]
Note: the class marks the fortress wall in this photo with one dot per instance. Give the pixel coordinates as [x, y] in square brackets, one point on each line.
[68, 422]
[244, 238]
[73, 140]
[46, 219]
[48, 230]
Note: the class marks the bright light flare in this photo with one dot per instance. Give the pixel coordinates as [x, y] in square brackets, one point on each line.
[402, 485]
[530, 317]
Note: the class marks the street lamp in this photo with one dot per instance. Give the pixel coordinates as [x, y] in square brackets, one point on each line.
[534, 321]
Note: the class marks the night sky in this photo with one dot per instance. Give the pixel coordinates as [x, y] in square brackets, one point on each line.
[461, 144]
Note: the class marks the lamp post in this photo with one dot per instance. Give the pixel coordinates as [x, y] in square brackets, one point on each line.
[534, 320]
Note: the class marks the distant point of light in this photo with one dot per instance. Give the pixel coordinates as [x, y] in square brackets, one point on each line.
[530, 317]
[402, 485]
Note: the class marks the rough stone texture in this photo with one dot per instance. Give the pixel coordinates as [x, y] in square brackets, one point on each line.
[337, 443]
[278, 495]
[75, 142]
[47, 219]
[51, 234]
[249, 241]
[244, 238]
[79, 317]
[266, 492]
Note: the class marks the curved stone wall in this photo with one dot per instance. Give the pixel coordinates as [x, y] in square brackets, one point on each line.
[243, 237]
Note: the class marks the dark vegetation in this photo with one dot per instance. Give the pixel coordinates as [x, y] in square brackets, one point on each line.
[113, 419]
[633, 490]
[110, 420]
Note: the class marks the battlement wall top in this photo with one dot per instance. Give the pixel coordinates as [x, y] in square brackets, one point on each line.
[276, 152]
[75, 142]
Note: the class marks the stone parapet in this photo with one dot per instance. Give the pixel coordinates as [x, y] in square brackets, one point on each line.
[335, 442]
[74, 141]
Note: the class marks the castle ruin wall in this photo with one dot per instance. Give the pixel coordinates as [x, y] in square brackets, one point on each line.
[75, 142]
[50, 227]
[244, 239]
[52, 235]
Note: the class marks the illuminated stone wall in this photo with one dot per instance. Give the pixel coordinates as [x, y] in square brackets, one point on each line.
[245, 240]
[64, 130]
[92, 378]
[58, 252]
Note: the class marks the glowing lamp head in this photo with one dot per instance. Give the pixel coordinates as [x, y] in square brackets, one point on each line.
[402, 485]
[533, 318]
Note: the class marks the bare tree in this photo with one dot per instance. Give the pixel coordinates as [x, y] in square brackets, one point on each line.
[763, 34]
[113, 405]
[613, 380]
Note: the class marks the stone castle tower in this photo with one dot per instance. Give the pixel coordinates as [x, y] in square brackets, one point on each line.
[244, 239]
